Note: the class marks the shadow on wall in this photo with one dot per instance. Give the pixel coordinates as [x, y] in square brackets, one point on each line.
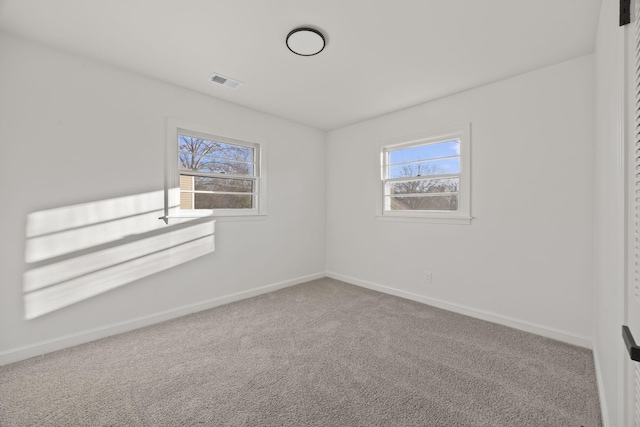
[77, 252]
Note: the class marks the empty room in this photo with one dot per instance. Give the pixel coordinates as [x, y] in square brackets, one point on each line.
[336, 213]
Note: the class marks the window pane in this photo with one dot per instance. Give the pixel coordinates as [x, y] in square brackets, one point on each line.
[222, 184]
[207, 164]
[186, 182]
[199, 147]
[425, 152]
[434, 167]
[223, 201]
[235, 152]
[443, 185]
[424, 203]
[227, 166]
[186, 200]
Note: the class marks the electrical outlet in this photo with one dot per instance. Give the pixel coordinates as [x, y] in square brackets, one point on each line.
[427, 277]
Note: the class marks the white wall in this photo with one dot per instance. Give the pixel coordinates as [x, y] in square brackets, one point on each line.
[75, 131]
[527, 257]
[609, 234]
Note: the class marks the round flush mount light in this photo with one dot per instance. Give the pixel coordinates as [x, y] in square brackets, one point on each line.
[305, 41]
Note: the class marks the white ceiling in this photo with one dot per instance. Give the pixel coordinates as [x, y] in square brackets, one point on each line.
[381, 56]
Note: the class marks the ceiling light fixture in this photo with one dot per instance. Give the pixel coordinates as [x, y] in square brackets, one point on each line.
[305, 41]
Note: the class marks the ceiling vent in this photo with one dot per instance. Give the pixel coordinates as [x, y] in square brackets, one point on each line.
[225, 81]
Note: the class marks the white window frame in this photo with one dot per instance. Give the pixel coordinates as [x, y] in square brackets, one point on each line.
[460, 216]
[173, 211]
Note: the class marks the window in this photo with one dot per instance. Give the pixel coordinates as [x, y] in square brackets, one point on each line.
[214, 172]
[427, 176]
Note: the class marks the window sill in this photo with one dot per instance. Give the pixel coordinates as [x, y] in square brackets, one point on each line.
[178, 219]
[233, 218]
[464, 220]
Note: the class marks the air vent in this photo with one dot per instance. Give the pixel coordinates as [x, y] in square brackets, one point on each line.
[225, 81]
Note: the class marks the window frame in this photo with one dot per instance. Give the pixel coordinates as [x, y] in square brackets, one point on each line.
[176, 127]
[460, 216]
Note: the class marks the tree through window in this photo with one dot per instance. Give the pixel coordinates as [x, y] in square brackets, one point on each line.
[427, 176]
[213, 172]
[216, 174]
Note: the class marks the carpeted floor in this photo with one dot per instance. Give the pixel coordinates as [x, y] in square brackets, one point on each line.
[323, 353]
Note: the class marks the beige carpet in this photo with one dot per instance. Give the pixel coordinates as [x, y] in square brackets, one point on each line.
[323, 353]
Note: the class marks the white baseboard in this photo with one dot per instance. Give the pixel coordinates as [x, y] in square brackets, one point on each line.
[26, 352]
[480, 314]
[603, 402]
[22, 353]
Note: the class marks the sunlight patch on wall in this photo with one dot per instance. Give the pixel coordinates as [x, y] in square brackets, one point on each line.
[63, 230]
[119, 241]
